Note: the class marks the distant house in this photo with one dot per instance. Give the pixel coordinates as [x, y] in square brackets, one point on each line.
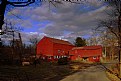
[87, 53]
[51, 49]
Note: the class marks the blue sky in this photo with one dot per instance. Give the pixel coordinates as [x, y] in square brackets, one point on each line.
[66, 21]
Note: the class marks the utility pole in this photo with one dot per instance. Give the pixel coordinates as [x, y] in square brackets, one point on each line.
[20, 48]
[4, 3]
[12, 46]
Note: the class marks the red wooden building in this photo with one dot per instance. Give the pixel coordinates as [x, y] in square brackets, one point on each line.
[87, 53]
[51, 49]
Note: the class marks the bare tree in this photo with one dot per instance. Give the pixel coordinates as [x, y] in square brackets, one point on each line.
[94, 39]
[34, 40]
[114, 24]
[12, 33]
[108, 40]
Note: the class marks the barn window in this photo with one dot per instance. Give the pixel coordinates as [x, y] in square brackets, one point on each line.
[57, 56]
[64, 56]
[94, 57]
[49, 57]
[59, 51]
[54, 57]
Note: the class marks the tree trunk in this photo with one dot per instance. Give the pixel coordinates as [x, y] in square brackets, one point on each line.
[120, 58]
[2, 11]
[119, 39]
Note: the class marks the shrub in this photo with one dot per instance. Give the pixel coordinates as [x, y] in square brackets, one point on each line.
[63, 61]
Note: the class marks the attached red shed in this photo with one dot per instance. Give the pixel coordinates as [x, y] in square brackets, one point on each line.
[51, 49]
[87, 53]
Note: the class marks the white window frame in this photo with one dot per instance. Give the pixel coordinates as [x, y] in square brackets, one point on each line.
[49, 57]
[57, 57]
[54, 57]
[94, 57]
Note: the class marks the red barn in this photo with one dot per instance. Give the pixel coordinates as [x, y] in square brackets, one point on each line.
[52, 49]
[87, 53]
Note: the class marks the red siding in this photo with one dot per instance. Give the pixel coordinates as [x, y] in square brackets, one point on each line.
[52, 49]
[93, 53]
[60, 49]
[45, 47]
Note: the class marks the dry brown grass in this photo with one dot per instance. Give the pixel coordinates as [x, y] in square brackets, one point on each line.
[46, 71]
[79, 65]
[112, 77]
[75, 67]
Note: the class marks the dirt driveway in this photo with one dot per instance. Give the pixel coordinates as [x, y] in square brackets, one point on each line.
[93, 73]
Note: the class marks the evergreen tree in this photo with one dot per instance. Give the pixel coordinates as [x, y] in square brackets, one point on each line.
[80, 42]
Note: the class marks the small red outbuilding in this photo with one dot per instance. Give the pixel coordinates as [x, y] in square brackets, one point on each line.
[87, 53]
[51, 49]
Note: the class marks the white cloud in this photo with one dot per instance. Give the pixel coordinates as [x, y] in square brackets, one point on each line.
[68, 20]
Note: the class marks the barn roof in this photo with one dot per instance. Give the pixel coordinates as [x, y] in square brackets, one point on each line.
[59, 41]
[88, 47]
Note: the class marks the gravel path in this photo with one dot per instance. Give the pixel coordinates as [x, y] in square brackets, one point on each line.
[93, 73]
